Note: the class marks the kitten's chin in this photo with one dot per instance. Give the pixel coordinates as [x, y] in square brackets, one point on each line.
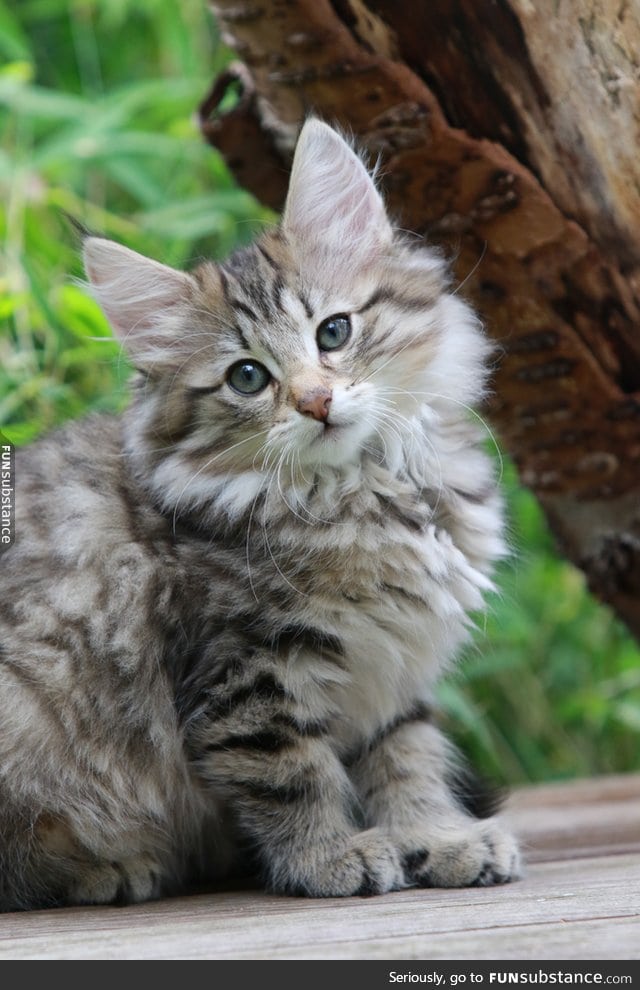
[336, 445]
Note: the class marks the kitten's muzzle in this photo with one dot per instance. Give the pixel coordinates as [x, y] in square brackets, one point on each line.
[315, 403]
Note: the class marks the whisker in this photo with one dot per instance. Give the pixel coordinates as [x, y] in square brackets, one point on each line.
[395, 420]
[270, 552]
[206, 465]
[473, 412]
[248, 544]
[473, 270]
[288, 505]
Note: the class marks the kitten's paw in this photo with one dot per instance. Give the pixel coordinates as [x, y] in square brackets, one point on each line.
[369, 865]
[126, 882]
[480, 855]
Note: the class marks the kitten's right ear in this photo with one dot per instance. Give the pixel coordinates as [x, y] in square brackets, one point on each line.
[333, 208]
[142, 299]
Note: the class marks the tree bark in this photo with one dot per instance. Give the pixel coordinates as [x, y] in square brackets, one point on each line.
[508, 133]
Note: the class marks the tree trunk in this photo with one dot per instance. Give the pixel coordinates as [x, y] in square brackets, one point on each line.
[508, 132]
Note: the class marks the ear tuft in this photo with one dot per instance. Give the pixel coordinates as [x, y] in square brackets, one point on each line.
[333, 206]
[141, 298]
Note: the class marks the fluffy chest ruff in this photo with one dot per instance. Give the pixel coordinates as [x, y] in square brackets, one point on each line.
[367, 561]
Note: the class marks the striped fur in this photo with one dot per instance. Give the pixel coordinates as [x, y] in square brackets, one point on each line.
[224, 614]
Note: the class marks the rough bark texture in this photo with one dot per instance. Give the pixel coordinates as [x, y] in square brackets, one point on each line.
[508, 133]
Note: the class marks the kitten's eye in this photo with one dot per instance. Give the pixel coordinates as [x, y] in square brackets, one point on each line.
[248, 377]
[333, 333]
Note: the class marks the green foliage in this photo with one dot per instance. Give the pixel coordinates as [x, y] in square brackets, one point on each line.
[96, 105]
[551, 686]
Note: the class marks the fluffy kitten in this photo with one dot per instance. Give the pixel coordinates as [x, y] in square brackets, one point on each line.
[224, 612]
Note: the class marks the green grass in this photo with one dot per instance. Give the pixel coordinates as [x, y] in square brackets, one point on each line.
[96, 119]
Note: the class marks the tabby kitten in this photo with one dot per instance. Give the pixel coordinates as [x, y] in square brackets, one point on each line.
[224, 612]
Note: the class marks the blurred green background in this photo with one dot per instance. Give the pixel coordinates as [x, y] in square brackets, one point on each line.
[96, 119]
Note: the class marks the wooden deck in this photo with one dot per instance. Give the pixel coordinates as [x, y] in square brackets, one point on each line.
[579, 900]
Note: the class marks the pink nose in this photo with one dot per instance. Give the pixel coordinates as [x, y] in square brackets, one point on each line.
[315, 404]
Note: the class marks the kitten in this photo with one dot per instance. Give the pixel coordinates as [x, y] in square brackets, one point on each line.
[224, 612]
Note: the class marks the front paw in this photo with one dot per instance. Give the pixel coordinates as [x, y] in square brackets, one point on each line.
[479, 854]
[125, 882]
[369, 863]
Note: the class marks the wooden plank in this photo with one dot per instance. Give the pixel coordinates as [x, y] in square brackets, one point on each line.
[577, 893]
[577, 818]
[569, 906]
[601, 939]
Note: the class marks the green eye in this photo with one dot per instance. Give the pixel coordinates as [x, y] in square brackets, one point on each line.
[333, 333]
[248, 377]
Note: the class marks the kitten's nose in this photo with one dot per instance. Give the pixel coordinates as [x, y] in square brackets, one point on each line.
[315, 403]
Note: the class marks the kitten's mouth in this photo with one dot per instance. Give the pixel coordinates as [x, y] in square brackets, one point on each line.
[329, 431]
[335, 443]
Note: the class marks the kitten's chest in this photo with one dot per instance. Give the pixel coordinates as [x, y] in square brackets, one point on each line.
[397, 605]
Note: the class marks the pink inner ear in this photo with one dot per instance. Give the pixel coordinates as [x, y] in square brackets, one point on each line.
[359, 208]
[332, 202]
[136, 293]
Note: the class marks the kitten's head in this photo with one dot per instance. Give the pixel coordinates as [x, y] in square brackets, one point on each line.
[306, 353]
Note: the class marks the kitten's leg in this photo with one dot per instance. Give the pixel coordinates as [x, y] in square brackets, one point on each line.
[289, 793]
[405, 780]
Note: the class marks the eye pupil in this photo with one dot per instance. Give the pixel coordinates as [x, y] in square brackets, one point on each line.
[333, 332]
[248, 377]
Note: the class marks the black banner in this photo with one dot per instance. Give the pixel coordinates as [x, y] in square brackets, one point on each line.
[345, 975]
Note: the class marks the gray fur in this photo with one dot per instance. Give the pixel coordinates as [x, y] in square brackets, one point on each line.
[222, 620]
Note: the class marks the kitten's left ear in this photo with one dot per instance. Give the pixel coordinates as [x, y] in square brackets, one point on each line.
[142, 299]
[333, 206]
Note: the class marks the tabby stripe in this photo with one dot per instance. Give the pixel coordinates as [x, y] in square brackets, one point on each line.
[171, 433]
[265, 740]
[224, 281]
[236, 304]
[276, 292]
[385, 295]
[378, 296]
[374, 352]
[265, 254]
[307, 305]
[310, 730]
[255, 290]
[207, 451]
[420, 713]
[195, 391]
[265, 687]
[241, 307]
[481, 798]
[476, 498]
[413, 523]
[310, 638]
[74, 640]
[278, 794]
[403, 593]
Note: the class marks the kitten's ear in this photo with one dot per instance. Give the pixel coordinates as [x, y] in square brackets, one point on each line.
[141, 298]
[333, 205]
